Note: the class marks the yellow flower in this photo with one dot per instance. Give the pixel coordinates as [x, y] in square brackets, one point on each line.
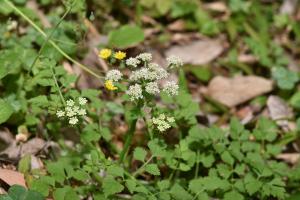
[110, 85]
[120, 55]
[105, 53]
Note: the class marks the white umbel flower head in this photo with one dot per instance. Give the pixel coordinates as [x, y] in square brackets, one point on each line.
[81, 112]
[60, 113]
[114, 75]
[171, 88]
[82, 101]
[145, 57]
[174, 62]
[139, 74]
[162, 122]
[73, 120]
[155, 72]
[70, 102]
[135, 92]
[133, 62]
[152, 88]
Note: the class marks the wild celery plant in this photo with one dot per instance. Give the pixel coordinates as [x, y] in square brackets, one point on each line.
[146, 80]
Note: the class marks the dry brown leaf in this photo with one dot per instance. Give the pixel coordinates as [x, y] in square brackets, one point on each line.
[288, 7]
[32, 147]
[197, 52]
[12, 177]
[289, 157]
[237, 90]
[278, 108]
[178, 25]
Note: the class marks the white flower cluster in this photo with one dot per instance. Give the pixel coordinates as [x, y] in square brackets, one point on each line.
[174, 61]
[114, 75]
[162, 122]
[73, 110]
[147, 77]
[146, 57]
[133, 62]
[171, 88]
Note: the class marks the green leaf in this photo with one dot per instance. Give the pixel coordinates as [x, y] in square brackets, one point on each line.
[126, 36]
[285, 78]
[202, 73]
[233, 195]
[65, 193]
[24, 164]
[115, 170]
[163, 6]
[6, 111]
[252, 185]
[139, 154]
[17, 192]
[163, 185]
[179, 193]
[227, 158]
[5, 197]
[80, 175]
[152, 169]
[111, 186]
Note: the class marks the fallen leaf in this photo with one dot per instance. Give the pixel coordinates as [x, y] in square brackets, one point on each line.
[12, 177]
[32, 147]
[289, 157]
[278, 108]
[288, 7]
[178, 25]
[237, 90]
[197, 52]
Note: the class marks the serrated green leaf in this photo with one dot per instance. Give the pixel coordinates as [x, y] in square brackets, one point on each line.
[115, 171]
[111, 186]
[139, 154]
[152, 169]
[233, 195]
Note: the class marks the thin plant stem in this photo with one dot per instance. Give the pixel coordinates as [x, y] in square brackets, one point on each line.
[57, 86]
[141, 169]
[197, 166]
[128, 140]
[48, 38]
[85, 68]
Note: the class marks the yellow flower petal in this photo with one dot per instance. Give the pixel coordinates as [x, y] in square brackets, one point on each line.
[120, 55]
[105, 53]
[109, 85]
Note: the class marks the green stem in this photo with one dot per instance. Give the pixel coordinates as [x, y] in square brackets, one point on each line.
[197, 166]
[141, 169]
[129, 136]
[57, 86]
[48, 38]
[51, 41]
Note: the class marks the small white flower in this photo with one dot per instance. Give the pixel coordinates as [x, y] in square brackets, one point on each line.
[139, 74]
[171, 88]
[82, 101]
[70, 112]
[162, 123]
[70, 102]
[135, 92]
[133, 62]
[155, 72]
[114, 75]
[152, 88]
[171, 119]
[81, 112]
[174, 61]
[60, 113]
[73, 120]
[12, 25]
[146, 57]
